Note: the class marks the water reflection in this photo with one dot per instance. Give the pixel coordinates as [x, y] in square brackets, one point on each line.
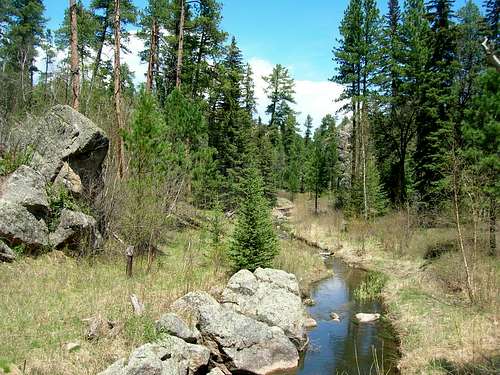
[346, 347]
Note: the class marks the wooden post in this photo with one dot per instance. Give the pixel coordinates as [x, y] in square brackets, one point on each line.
[130, 259]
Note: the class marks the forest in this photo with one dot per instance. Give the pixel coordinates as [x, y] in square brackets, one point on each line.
[404, 179]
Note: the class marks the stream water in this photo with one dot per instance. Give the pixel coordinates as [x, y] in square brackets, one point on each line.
[347, 347]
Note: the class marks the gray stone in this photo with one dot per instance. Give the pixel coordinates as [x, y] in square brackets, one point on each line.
[367, 318]
[26, 187]
[69, 179]
[116, 368]
[216, 371]
[270, 296]
[75, 227]
[248, 345]
[6, 253]
[173, 325]
[146, 360]
[195, 356]
[19, 226]
[65, 135]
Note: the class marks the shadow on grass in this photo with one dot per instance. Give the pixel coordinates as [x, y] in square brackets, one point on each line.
[487, 366]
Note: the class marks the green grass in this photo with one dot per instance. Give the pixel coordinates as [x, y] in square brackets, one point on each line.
[45, 299]
[371, 287]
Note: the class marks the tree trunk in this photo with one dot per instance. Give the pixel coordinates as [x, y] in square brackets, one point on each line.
[117, 92]
[75, 67]
[363, 157]
[316, 200]
[152, 56]
[99, 53]
[353, 142]
[180, 49]
[196, 78]
[493, 225]
[470, 290]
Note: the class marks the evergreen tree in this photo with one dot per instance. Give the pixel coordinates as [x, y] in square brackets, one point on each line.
[249, 91]
[492, 19]
[280, 91]
[24, 31]
[254, 243]
[482, 147]
[308, 126]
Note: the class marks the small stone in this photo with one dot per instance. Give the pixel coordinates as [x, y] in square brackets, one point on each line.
[310, 323]
[367, 318]
[72, 346]
[335, 317]
[309, 302]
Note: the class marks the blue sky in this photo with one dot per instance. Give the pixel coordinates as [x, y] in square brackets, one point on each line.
[299, 34]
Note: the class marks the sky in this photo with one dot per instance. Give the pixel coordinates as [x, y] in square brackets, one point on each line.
[299, 34]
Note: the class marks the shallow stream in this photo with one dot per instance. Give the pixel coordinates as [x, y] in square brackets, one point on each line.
[347, 347]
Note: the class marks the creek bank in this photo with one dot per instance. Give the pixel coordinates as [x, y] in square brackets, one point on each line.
[257, 327]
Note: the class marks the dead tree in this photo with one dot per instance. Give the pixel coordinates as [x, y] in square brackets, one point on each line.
[75, 67]
[493, 59]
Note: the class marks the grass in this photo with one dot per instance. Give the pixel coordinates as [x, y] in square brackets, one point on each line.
[440, 332]
[371, 287]
[45, 299]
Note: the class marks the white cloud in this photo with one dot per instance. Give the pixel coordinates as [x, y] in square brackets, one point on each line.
[315, 98]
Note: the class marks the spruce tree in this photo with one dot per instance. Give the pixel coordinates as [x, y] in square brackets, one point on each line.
[308, 126]
[279, 90]
[254, 243]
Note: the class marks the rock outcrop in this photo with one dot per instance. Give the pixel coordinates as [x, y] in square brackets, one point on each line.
[73, 228]
[67, 150]
[245, 336]
[272, 297]
[65, 135]
[19, 226]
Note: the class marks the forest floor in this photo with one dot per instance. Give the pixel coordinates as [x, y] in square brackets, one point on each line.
[439, 331]
[44, 300]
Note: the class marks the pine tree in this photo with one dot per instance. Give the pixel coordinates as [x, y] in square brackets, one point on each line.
[24, 31]
[308, 126]
[280, 91]
[249, 91]
[254, 243]
[481, 128]
[492, 19]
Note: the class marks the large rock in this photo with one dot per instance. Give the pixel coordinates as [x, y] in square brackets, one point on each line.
[247, 345]
[75, 227]
[6, 253]
[19, 226]
[169, 356]
[26, 187]
[65, 135]
[270, 296]
[171, 324]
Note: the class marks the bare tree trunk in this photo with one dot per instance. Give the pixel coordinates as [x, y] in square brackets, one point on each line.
[99, 54]
[75, 68]
[152, 56]
[493, 225]
[363, 157]
[180, 50]
[470, 290]
[117, 92]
